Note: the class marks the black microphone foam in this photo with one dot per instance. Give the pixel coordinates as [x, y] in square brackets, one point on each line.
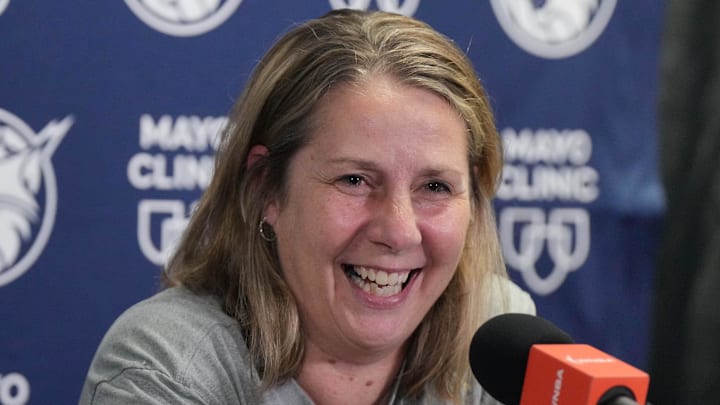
[500, 348]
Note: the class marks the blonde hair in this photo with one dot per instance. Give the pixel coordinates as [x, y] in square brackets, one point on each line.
[222, 252]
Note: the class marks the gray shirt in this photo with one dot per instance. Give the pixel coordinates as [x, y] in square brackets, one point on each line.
[182, 348]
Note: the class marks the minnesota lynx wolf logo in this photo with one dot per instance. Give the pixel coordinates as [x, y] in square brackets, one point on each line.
[553, 28]
[3, 5]
[408, 7]
[566, 231]
[183, 18]
[28, 194]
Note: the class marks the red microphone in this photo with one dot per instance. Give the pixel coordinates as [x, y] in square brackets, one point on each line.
[522, 359]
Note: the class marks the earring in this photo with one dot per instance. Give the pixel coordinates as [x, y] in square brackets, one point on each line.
[266, 231]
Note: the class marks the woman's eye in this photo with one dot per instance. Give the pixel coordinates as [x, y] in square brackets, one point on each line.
[437, 187]
[353, 179]
[353, 184]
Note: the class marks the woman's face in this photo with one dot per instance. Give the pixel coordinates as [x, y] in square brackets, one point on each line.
[375, 216]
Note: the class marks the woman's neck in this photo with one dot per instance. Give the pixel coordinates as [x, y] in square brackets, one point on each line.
[330, 380]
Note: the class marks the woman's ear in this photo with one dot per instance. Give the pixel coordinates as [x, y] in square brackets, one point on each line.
[272, 209]
[256, 153]
[271, 213]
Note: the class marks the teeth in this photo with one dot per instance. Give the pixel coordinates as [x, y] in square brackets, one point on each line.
[377, 290]
[380, 277]
[377, 282]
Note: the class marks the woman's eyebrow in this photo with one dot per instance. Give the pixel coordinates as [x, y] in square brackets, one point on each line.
[353, 161]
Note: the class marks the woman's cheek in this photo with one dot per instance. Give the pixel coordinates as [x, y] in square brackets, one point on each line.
[446, 232]
[338, 216]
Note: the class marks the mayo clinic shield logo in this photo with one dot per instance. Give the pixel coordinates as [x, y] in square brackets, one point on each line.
[183, 18]
[171, 218]
[525, 233]
[553, 29]
[404, 7]
[28, 193]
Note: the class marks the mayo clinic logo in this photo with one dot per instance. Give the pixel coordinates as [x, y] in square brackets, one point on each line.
[565, 232]
[406, 7]
[553, 29]
[547, 182]
[183, 18]
[171, 217]
[28, 193]
[176, 156]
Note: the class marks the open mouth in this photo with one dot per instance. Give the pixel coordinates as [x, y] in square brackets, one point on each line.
[378, 282]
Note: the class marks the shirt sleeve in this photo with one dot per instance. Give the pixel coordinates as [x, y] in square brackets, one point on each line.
[142, 387]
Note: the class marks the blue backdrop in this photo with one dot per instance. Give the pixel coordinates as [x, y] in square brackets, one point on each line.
[108, 117]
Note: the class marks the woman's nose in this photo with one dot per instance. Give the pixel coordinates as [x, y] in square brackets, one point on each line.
[395, 224]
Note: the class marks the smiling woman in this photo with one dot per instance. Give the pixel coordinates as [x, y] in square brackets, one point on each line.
[362, 196]
[346, 246]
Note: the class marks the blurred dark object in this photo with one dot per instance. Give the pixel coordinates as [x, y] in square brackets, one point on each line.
[685, 351]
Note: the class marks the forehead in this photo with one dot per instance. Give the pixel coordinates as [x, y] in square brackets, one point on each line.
[380, 110]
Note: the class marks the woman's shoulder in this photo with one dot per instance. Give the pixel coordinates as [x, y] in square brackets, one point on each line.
[175, 308]
[505, 296]
[174, 324]
[176, 341]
